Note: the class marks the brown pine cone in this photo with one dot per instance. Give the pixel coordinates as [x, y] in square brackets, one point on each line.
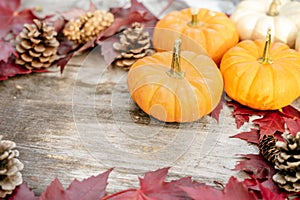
[267, 148]
[37, 45]
[288, 163]
[88, 26]
[134, 44]
[10, 167]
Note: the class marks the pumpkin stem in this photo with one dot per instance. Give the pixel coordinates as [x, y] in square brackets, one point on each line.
[274, 8]
[195, 21]
[175, 70]
[265, 59]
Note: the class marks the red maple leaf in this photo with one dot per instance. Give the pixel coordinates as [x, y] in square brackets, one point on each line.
[251, 136]
[77, 12]
[293, 125]
[13, 20]
[154, 187]
[234, 190]
[216, 112]
[242, 113]
[6, 51]
[22, 192]
[255, 165]
[137, 12]
[11, 69]
[91, 188]
[290, 112]
[270, 123]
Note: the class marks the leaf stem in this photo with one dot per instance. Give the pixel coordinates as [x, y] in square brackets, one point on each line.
[175, 70]
[274, 8]
[265, 59]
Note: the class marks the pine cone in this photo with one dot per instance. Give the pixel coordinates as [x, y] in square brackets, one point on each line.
[134, 43]
[88, 26]
[37, 45]
[288, 163]
[10, 167]
[267, 148]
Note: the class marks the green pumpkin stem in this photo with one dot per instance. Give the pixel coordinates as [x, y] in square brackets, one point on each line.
[195, 20]
[175, 70]
[274, 8]
[265, 59]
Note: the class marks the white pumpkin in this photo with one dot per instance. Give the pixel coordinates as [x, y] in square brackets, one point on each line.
[297, 47]
[254, 17]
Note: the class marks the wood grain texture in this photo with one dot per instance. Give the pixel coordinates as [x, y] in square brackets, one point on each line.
[83, 122]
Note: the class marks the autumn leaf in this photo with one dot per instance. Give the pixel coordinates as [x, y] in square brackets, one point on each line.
[11, 69]
[77, 12]
[293, 125]
[268, 194]
[234, 190]
[154, 187]
[13, 20]
[6, 51]
[22, 192]
[137, 12]
[54, 191]
[251, 136]
[290, 112]
[216, 112]
[270, 123]
[255, 165]
[91, 188]
[243, 113]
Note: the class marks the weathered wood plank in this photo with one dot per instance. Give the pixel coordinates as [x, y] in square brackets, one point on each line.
[83, 122]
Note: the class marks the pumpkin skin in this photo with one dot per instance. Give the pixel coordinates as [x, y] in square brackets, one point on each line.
[297, 46]
[254, 17]
[263, 86]
[214, 31]
[173, 99]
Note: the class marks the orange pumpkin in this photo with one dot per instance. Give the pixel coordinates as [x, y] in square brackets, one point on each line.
[176, 87]
[262, 75]
[214, 31]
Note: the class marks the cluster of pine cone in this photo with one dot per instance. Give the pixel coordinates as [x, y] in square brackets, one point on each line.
[10, 167]
[286, 158]
[37, 44]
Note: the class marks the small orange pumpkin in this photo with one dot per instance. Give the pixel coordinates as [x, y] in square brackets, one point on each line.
[214, 31]
[260, 75]
[176, 87]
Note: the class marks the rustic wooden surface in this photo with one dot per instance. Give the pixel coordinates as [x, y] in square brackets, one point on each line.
[82, 123]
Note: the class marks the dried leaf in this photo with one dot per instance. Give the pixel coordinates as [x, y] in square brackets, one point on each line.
[91, 188]
[64, 61]
[251, 136]
[107, 49]
[11, 69]
[22, 192]
[77, 12]
[234, 190]
[270, 123]
[255, 165]
[216, 112]
[137, 12]
[154, 187]
[268, 194]
[241, 119]
[13, 20]
[291, 112]
[54, 191]
[6, 51]
[293, 125]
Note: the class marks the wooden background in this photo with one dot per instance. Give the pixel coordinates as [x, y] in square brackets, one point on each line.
[83, 122]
